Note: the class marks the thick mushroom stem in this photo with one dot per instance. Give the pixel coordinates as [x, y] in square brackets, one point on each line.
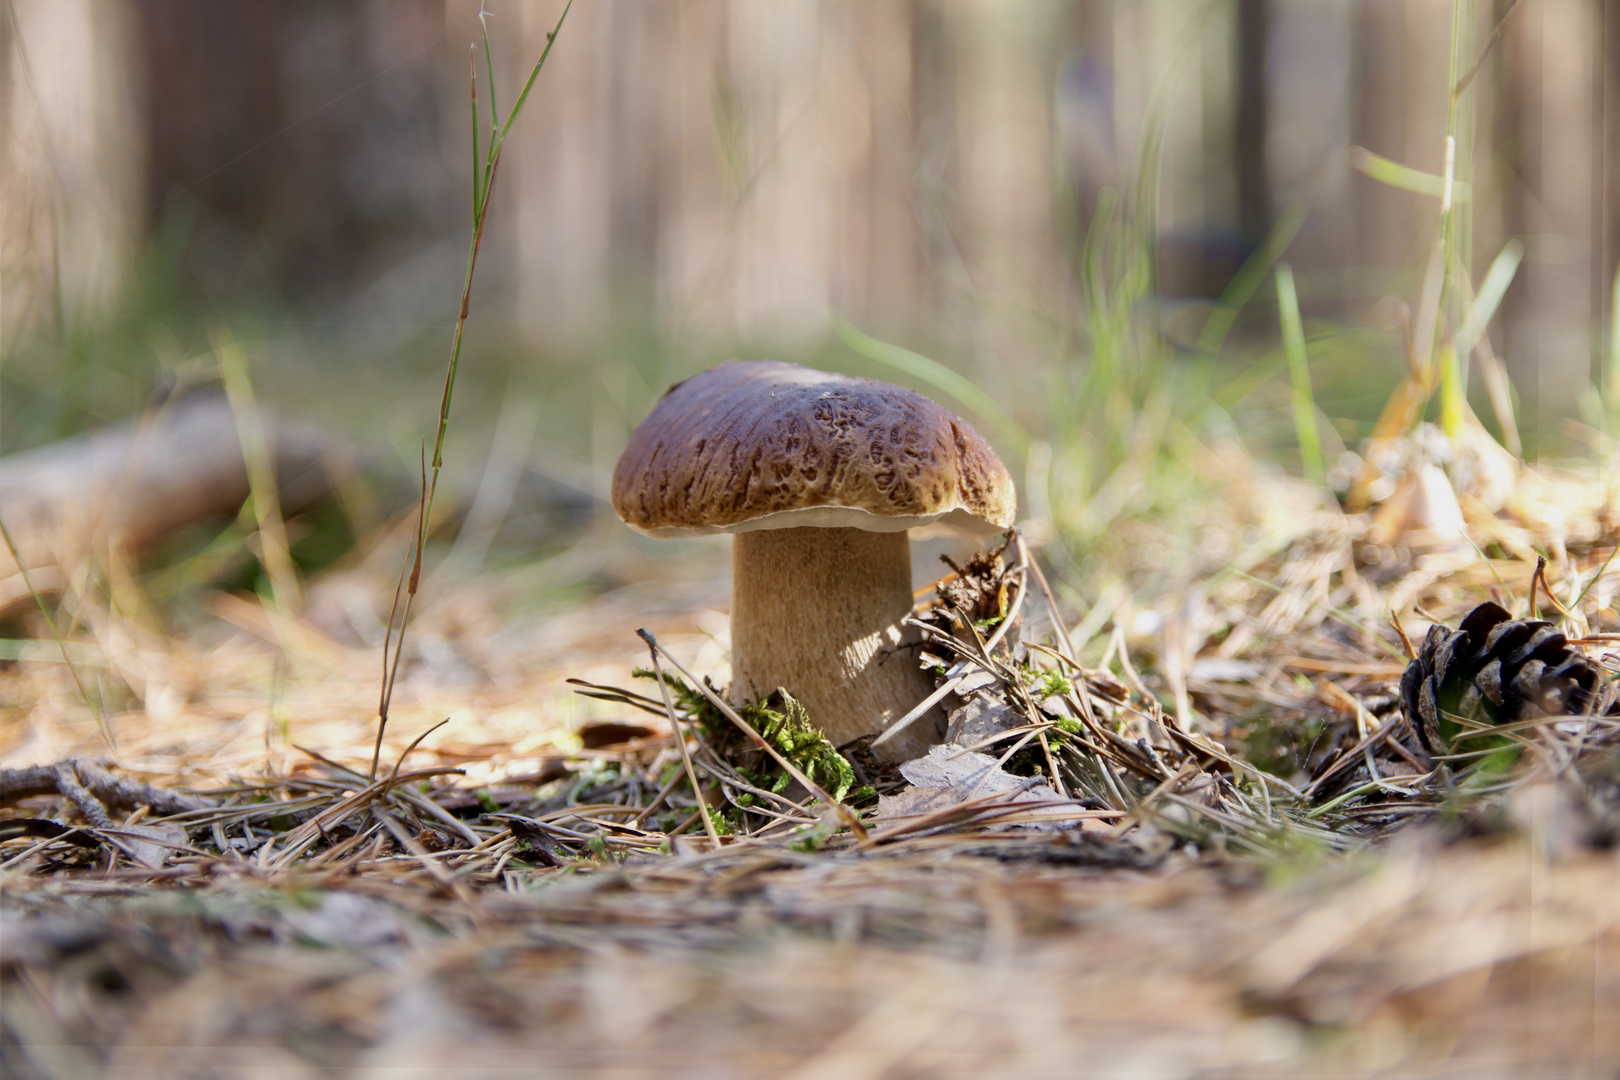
[817, 612]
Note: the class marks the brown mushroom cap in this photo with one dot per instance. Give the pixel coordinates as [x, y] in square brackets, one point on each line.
[756, 444]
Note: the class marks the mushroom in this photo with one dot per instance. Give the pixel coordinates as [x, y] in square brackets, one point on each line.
[817, 476]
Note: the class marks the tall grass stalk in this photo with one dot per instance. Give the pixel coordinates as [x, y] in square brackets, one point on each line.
[1105, 429]
[264, 500]
[1118, 411]
[1299, 371]
[1472, 341]
[486, 160]
[1448, 259]
[1489, 298]
[1452, 252]
[1447, 281]
[1394, 174]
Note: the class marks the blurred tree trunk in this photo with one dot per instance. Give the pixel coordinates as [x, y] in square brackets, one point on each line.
[1607, 130]
[732, 171]
[70, 160]
[1551, 166]
[1249, 139]
[759, 162]
[308, 138]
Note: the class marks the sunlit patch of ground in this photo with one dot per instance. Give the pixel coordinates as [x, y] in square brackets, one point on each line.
[1477, 942]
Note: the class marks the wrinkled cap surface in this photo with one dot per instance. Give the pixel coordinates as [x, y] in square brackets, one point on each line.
[756, 444]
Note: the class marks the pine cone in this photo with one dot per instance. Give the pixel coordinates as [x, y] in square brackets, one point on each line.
[1494, 669]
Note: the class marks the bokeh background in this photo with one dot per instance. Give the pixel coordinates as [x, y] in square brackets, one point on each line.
[1061, 218]
[697, 180]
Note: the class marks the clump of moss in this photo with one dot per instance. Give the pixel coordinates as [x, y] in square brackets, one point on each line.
[1041, 682]
[722, 823]
[783, 722]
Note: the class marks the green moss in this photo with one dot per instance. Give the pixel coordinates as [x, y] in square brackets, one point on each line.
[1043, 682]
[810, 837]
[783, 721]
[723, 825]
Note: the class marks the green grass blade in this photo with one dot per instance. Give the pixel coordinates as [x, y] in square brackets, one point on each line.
[489, 70]
[477, 162]
[1491, 291]
[1453, 399]
[1144, 211]
[1293, 334]
[263, 494]
[1405, 177]
[1093, 274]
[483, 187]
[538, 64]
[1249, 276]
[936, 375]
[455, 349]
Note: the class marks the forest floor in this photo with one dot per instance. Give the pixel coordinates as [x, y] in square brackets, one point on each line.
[530, 890]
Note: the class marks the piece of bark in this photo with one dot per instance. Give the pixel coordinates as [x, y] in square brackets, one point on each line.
[132, 485]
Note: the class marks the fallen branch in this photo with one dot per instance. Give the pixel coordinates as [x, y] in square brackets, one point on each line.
[133, 485]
